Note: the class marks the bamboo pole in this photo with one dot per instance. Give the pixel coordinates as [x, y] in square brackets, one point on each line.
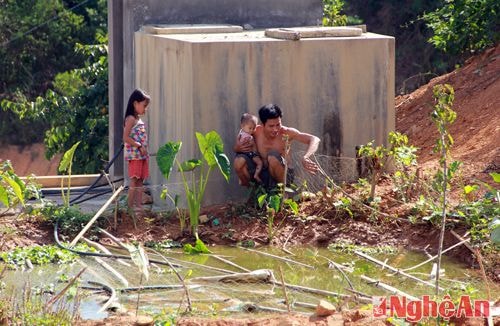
[96, 216]
[387, 287]
[397, 271]
[277, 257]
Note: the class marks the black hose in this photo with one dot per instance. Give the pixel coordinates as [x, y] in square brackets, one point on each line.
[103, 172]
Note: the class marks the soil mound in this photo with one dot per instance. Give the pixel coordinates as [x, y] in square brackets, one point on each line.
[476, 130]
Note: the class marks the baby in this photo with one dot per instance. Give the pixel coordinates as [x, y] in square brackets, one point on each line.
[248, 124]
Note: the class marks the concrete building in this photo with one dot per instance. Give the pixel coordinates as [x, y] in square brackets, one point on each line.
[338, 88]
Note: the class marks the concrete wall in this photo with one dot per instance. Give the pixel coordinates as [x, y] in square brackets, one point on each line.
[340, 89]
[125, 17]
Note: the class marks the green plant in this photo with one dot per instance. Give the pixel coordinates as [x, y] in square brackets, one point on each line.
[181, 213]
[65, 166]
[199, 248]
[404, 159]
[212, 150]
[482, 215]
[40, 255]
[275, 202]
[378, 159]
[75, 110]
[13, 190]
[71, 219]
[462, 26]
[332, 13]
[443, 116]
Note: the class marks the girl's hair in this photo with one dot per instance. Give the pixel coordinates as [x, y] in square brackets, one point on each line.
[137, 95]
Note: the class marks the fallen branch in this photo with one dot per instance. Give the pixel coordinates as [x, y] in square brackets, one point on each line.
[189, 308]
[339, 268]
[277, 257]
[434, 257]
[387, 287]
[230, 263]
[257, 276]
[479, 258]
[397, 271]
[66, 288]
[113, 271]
[96, 216]
[287, 302]
[100, 247]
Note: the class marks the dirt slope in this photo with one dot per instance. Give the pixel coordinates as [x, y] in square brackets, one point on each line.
[476, 130]
[29, 159]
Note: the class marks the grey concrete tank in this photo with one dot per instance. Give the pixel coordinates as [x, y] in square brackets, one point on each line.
[338, 88]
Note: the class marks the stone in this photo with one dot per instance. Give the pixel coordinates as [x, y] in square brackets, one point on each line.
[203, 218]
[324, 309]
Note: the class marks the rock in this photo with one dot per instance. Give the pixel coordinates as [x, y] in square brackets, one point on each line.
[324, 309]
[144, 320]
[203, 218]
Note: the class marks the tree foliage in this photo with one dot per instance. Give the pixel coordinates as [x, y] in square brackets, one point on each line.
[464, 26]
[37, 40]
[76, 110]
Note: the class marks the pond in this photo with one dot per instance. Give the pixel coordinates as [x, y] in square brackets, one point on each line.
[311, 269]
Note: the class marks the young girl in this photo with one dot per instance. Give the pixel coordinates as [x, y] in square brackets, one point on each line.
[136, 146]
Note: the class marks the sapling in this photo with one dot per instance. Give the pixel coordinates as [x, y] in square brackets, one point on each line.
[443, 116]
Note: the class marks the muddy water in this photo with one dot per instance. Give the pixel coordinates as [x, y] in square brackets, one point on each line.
[210, 297]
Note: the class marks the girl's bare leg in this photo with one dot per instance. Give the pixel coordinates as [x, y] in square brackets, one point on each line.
[132, 191]
[138, 193]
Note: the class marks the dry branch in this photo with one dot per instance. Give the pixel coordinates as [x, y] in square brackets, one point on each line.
[395, 270]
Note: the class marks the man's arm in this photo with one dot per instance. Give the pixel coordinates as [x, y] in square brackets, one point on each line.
[312, 143]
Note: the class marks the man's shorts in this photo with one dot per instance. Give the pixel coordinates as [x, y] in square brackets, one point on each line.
[269, 183]
[138, 169]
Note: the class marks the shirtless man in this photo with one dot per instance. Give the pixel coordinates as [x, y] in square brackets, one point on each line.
[269, 138]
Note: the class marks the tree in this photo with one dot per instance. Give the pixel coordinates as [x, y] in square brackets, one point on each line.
[462, 27]
[37, 40]
[76, 110]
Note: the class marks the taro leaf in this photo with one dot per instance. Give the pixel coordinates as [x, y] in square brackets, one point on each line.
[68, 158]
[199, 248]
[275, 202]
[495, 176]
[165, 157]
[261, 200]
[210, 144]
[212, 148]
[189, 165]
[16, 187]
[224, 165]
[4, 198]
[293, 205]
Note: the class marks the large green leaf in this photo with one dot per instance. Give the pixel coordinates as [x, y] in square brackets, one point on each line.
[68, 158]
[223, 164]
[165, 157]
[495, 176]
[16, 187]
[210, 145]
[189, 165]
[4, 197]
